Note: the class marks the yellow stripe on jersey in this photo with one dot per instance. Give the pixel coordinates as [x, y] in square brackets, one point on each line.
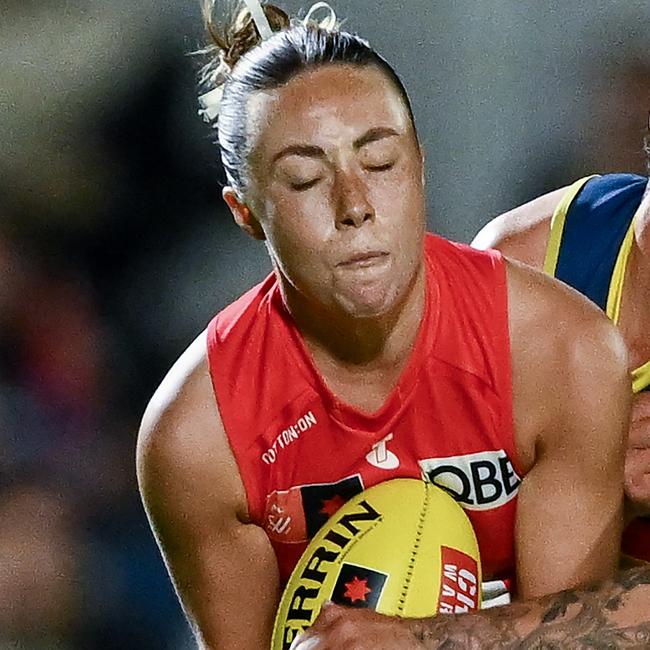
[641, 375]
[641, 378]
[557, 224]
[618, 276]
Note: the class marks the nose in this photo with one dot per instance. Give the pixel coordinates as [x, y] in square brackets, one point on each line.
[354, 206]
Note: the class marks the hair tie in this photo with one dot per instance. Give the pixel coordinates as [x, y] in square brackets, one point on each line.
[328, 22]
[259, 18]
[210, 102]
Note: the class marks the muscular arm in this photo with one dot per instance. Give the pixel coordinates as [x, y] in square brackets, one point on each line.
[616, 614]
[571, 402]
[223, 568]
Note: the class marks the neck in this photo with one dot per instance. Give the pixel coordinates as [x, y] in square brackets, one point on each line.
[354, 342]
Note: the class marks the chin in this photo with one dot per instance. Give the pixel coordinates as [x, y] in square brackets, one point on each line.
[368, 305]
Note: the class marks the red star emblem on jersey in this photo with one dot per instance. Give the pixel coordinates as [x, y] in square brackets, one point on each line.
[330, 506]
[356, 589]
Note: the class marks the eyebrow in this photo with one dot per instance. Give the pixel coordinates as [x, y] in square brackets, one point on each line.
[312, 151]
[307, 150]
[378, 133]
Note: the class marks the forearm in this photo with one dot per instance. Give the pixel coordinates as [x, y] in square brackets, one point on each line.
[615, 614]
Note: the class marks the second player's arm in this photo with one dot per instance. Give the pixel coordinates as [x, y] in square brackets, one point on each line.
[222, 567]
[615, 615]
[522, 233]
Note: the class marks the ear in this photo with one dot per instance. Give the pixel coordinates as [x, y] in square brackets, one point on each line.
[244, 218]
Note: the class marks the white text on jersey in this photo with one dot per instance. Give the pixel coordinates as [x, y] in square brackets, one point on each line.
[289, 435]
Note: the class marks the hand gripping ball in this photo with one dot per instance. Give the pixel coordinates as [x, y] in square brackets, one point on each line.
[403, 548]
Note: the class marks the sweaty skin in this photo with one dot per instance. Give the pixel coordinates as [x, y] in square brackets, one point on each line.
[336, 176]
[522, 234]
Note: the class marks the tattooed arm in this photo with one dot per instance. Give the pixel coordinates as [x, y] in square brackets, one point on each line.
[615, 614]
[611, 615]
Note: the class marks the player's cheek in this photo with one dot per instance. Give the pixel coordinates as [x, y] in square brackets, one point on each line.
[399, 200]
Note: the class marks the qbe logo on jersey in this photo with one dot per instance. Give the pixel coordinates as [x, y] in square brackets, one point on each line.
[478, 481]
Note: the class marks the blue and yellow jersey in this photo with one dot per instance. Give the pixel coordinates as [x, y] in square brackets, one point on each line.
[591, 237]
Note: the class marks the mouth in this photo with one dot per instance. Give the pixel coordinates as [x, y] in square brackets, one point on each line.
[363, 259]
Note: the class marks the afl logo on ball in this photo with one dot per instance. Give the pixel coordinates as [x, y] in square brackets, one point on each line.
[358, 586]
[477, 481]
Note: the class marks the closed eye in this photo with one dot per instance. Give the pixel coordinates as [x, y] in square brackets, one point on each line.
[381, 168]
[301, 187]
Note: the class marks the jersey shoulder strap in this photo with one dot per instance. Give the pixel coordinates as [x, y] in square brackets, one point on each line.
[588, 232]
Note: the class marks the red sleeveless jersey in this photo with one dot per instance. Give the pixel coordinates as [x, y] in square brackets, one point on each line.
[302, 452]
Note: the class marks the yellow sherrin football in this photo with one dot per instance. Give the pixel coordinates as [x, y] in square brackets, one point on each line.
[403, 548]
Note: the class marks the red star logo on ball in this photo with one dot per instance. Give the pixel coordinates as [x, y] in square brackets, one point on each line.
[357, 590]
[330, 506]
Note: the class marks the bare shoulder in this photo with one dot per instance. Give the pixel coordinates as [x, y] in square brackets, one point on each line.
[182, 441]
[569, 360]
[548, 317]
[522, 233]
[184, 393]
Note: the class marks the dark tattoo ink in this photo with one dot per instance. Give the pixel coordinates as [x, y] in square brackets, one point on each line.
[610, 616]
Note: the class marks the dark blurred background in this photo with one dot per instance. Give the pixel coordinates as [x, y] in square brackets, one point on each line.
[115, 248]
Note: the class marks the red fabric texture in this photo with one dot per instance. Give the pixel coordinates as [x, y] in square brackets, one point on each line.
[302, 452]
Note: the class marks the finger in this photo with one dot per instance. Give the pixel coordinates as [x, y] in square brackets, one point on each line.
[309, 638]
[328, 617]
[331, 611]
[304, 642]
